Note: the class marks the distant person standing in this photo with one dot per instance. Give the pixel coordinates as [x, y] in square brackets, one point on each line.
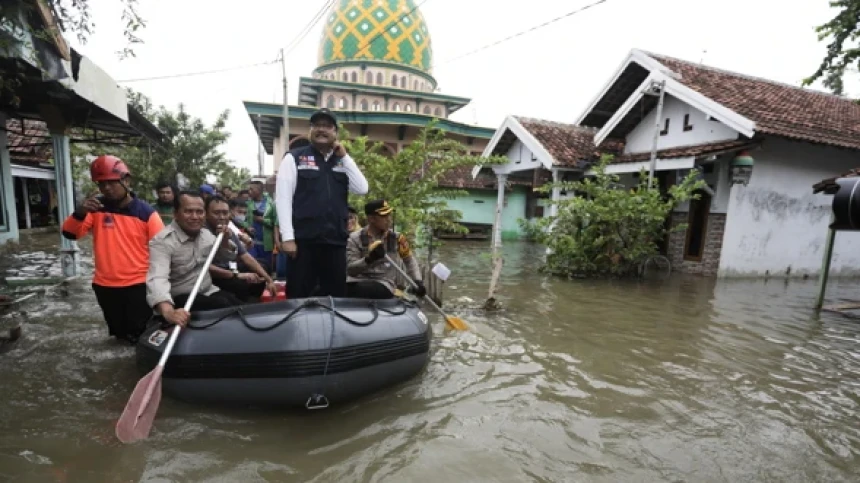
[261, 222]
[312, 189]
[122, 227]
[164, 202]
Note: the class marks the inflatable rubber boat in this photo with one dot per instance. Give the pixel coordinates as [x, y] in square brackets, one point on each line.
[305, 352]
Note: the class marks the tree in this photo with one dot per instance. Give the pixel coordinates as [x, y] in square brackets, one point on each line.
[840, 29]
[190, 147]
[607, 230]
[409, 180]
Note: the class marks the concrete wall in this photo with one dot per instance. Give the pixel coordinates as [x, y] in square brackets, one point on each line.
[480, 207]
[390, 76]
[7, 190]
[350, 101]
[776, 225]
[704, 130]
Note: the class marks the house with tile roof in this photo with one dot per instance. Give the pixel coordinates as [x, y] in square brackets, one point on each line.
[767, 225]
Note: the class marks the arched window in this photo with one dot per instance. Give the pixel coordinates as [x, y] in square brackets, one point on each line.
[368, 77]
[363, 104]
[353, 77]
[376, 106]
[345, 77]
[396, 107]
[329, 102]
[379, 79]
[426, 109]
[408, 108]
[437, 112]
[415, 85]
[403, 82]
[394, 80]
[343, 103]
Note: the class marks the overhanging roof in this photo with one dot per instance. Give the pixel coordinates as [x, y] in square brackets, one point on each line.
[268, 120]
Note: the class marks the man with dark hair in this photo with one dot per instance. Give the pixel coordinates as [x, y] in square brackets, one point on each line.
[164, 203]
[261, 222]
[352, 224]
[228, 193]
[177, 255]
[225, 269]
[313, 185]
[244, 196]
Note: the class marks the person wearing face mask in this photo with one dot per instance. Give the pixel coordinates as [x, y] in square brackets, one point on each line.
[177, 255]
[238, 214]
[313, 184]
[122, 226]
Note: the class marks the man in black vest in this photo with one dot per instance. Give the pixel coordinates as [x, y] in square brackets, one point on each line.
[311, 200]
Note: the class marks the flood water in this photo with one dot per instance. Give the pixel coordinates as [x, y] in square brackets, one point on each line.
[686, 379]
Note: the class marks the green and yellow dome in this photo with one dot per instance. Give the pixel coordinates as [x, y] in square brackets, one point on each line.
[385, 31]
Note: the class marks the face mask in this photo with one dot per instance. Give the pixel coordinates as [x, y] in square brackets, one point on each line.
[239, 218]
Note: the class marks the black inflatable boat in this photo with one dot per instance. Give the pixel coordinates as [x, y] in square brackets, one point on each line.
[304, 352]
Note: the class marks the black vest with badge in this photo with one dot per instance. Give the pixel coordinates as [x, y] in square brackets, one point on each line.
[320, 202]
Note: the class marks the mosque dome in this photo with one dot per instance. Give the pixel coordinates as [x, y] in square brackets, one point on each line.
[391, 33]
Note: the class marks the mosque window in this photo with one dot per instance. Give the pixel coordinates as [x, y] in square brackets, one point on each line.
[353, 77]
[394, 80]
[345, 77]
[408, 108]
[396, 107]
[363, 104]
[329, 103]
[437, 111]
[426, 109]
[375, 105]
[368, 77]
[415, 85]
[403, 82]
[379, 78]
[343, 103]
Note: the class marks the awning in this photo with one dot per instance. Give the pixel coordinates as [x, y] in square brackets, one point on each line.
[21, 171]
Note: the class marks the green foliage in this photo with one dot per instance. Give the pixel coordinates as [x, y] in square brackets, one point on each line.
[190, 147]
[409, 179]
[608, 230]
[840, 29]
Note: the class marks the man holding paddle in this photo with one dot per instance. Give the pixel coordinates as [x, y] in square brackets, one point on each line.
[122, 226]
[177, 256]
[372, 274]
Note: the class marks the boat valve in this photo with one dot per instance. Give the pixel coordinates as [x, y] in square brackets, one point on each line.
[317, 401]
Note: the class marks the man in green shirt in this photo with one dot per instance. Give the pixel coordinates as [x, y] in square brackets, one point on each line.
[164, 204]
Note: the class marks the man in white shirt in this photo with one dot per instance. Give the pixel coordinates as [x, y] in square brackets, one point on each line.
[311, 199]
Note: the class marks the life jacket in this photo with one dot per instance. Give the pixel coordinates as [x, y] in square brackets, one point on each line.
[320, 202]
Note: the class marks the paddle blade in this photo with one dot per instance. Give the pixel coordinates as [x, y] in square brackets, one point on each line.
[456, 323]
[136, 420]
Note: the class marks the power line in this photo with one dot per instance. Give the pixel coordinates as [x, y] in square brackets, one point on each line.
[204, 72]
[518, 34]
[297, 40]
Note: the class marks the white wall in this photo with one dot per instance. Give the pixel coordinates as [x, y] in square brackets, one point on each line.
[521, 159]
[704, 131]
[776, 224]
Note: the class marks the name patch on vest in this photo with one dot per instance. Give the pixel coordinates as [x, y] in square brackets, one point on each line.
[307, 162]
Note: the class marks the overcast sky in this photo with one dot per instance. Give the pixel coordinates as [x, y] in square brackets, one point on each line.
[550, 73]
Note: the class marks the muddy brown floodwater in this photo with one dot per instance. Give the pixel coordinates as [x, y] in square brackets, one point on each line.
[685, 379]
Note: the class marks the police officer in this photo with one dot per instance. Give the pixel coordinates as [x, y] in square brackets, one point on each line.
[311, 200]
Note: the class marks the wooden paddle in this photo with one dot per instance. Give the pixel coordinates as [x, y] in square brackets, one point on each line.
[454, 322]
[136, 420]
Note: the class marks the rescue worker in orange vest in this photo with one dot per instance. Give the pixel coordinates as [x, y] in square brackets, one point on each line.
[122, 225]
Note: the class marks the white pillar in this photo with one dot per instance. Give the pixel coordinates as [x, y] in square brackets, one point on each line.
[556, 193]
[69, 255]
[7, 190]
[501, 179]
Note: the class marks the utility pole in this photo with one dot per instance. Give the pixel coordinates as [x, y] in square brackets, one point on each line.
[661, 86]
[286, 113]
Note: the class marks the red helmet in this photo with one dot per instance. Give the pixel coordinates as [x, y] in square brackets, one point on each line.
[108, 168]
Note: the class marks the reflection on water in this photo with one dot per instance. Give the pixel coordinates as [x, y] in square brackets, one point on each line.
[681, 380]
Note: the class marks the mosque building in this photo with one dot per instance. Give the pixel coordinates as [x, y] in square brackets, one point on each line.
[375, 74]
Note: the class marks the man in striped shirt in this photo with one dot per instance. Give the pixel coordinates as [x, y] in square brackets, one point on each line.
[122, 226]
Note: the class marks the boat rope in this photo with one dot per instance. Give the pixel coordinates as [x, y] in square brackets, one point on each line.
[310, 303]
[318, 400]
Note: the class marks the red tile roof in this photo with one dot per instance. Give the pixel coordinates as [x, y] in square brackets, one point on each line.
[687, 151]
[28, 141]
[568, 144]
[776, 108]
